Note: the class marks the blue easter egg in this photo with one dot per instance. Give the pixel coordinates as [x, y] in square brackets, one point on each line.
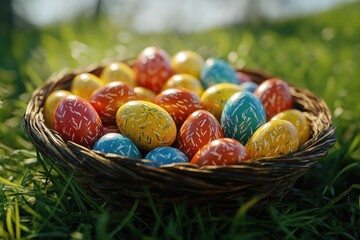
[217, 71]
[165, 155]
[118, 144]
[249, 86]
[242, 114]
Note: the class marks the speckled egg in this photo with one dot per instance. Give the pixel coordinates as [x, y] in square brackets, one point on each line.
[243, 113]
[275, 138]
[117, 144]
[179, 103]
[220, 152]
[50, 106]
[275, 96]
[198, 129]
[214, 98]
[76, 120]
[187, 61]
[217, 71]
[249, 86]
[85, 84]
[186, 81]
[153, 68]
[146, 124]
[118, 71]
[165, 155]
[107, 100]
[298, 119]
[144, 93]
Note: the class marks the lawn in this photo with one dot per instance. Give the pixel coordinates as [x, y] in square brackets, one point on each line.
[320, 52]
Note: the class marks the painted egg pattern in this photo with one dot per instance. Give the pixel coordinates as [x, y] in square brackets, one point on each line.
[220, 152]
[214, 98]
[84, 84]
[146, 124]
[179, 103]
[153, 68]
[273, 139]
[117, 144]
[187, 61]
[186, 81]
[76, 120]
[275, 96]
[165, 155]
[200, 128]
[243, 113]
[50, 106]
[107, 100]
[118, 72]
[298, 119]
[217, 71]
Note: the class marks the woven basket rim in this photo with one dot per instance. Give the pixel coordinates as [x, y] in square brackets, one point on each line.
[190, 179]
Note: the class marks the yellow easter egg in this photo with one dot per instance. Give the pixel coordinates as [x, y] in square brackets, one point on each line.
[146, 124]
[118, 71]
[144, 93]
[298, 119]
[84, 84]
[214, 98]
[274, 138]
[187, 61]
[186, 81]
[50, 106]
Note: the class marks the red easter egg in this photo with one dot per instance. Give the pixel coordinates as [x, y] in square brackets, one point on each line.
[275, 96]
[107, 100]
[220, 152]
[243, 77]
[153, 68]
[76, 120]
[200, 128]
[110, 129]
[179, 103]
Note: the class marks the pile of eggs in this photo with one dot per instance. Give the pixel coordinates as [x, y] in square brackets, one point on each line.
[178, 109]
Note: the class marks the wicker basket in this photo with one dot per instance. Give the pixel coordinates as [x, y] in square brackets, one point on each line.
[120, 181]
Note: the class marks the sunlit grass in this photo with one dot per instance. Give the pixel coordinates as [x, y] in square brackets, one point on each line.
[319, 52]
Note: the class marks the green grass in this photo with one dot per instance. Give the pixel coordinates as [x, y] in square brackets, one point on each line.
[320, 52]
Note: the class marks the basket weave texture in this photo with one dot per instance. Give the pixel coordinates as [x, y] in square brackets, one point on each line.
[120, 181]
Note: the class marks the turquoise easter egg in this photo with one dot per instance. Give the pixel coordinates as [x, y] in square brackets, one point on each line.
[217, 71]
[166, 155]
[242, 114]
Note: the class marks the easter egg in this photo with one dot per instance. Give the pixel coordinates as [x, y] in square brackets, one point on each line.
[220, 152]
[275, 96]
[51, 103]
[187, 61]
[186, 81]
[214, 98]
[146, 124]
[153, 68]
[298, 119]
[107, 99]
[144, 93]
[85, 84]
[243, 113]
[274, 138]
[179, 103]
[76, 120]
[117, 144]
[249, 86]
[118, 71]
[217, 71]
[165, 155]
[200, 128]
